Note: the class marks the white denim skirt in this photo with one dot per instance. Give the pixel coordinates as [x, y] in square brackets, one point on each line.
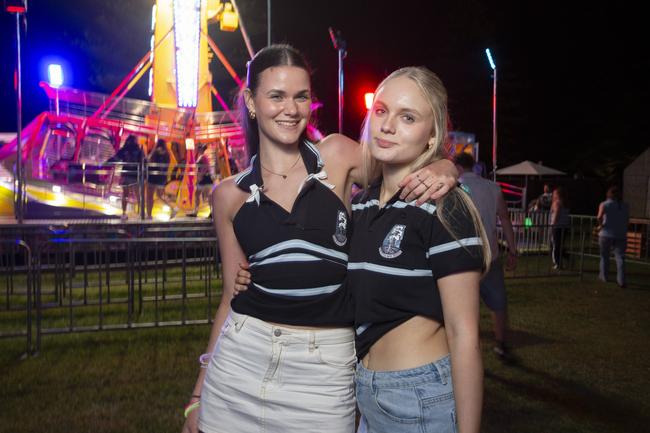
[264, 378]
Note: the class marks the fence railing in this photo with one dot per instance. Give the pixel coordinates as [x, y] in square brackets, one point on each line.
[92, 277]
[89, 278]
[17, 277]
[533, 234]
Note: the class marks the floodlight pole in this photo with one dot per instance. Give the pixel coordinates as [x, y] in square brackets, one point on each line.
[268, 22]
[340, 45]
[18, 176]
[494, 114]
[494, 123]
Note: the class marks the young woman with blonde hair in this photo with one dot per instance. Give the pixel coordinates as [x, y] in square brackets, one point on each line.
[413, 273]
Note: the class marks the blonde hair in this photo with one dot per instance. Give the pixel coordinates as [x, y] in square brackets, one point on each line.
[435, 94]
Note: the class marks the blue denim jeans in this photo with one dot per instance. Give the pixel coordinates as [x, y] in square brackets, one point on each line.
[619, 246]
[418, 400]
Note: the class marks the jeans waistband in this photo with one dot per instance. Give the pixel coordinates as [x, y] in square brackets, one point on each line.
[292, 335]
[437, 371]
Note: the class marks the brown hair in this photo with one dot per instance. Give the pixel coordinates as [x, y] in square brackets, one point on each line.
[268, 57]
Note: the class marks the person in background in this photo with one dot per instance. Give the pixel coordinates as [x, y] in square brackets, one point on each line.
[179, 155]
[158, 163]
[204, 181]
[560, 222]
[613, 218]
[489, 201]
[130, 156]
[543, 202]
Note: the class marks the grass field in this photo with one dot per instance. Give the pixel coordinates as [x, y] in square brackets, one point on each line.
[583, 365]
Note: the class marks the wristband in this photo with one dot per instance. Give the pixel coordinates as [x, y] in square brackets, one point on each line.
[190, 408]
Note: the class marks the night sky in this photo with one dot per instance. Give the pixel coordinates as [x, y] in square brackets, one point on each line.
[572, 78]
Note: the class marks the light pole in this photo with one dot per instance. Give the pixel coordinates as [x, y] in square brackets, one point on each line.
[341, 47]
[18, 8]
[268, 22]
[494, 114]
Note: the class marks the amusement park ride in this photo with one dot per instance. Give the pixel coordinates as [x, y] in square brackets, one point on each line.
[65, 150]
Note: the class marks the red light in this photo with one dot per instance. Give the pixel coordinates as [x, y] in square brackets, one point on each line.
[369, 97]
[16, 9]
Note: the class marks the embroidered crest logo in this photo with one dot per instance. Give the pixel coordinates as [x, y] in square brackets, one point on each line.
[389, 249]
[340, 237]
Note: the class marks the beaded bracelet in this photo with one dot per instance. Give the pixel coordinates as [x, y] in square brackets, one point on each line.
[204, 360]
[190, 407]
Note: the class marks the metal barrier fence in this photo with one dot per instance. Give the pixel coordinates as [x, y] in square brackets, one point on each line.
[60, 278]
[98, 276]
[533, 233]
[17, 278]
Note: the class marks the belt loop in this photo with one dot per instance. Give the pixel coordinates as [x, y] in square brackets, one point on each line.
[442, 374]
[312, 341]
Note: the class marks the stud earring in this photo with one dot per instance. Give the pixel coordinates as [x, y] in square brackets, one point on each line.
[251, 114]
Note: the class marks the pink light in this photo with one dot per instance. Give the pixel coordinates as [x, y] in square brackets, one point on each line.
[16, 9]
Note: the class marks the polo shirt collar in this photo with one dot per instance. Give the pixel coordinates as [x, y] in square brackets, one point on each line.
[374, 191]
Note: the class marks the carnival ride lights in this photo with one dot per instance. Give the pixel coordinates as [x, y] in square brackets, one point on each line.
[152, 45]
[187, 32]
[55, 75]
[68, 148]
[228, 18]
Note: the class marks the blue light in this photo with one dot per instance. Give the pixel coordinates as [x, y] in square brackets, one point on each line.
[489, 56]
[55, 75]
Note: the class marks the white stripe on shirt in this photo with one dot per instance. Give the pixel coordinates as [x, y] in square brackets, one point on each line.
[361, 206]
[453, 245]
[298, 243]
[290, 257]
[389, 270]
[300, 292]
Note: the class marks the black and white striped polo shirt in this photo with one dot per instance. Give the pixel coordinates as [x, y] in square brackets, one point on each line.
[397, 254]
[297, 259]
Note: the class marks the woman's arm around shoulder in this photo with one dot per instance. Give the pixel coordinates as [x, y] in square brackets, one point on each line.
[344, 154]
[345, 160]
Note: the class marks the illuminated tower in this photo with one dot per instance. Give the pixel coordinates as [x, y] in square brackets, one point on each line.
[180, 76]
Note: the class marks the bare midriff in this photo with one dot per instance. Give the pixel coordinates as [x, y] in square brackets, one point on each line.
[414, 343]
[305, 328]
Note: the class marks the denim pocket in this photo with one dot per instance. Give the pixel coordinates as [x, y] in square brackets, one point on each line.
[398, 404]
[438, 407]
